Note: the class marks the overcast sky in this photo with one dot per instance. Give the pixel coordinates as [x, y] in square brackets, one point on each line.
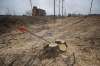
[72, 6]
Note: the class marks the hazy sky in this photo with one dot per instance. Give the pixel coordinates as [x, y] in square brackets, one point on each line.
[72, 6]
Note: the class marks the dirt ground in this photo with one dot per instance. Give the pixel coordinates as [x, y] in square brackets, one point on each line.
[23, 49]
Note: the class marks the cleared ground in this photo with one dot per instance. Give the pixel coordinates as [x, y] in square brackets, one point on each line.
[82, 35]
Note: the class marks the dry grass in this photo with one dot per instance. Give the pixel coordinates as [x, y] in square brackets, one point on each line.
[80, 33]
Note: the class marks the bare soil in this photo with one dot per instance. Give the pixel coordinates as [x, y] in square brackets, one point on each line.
[82, 35]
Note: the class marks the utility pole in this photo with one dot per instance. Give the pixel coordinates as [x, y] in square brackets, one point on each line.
[59, 6]
[54, 8]
[62, 6]
[91, 6]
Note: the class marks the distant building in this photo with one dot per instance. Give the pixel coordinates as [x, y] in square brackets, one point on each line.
[38, 12]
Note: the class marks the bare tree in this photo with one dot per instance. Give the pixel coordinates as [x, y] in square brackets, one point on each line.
[59, 6]
[62, 7]
[91, 6]
[54, 8]
[31, 6]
